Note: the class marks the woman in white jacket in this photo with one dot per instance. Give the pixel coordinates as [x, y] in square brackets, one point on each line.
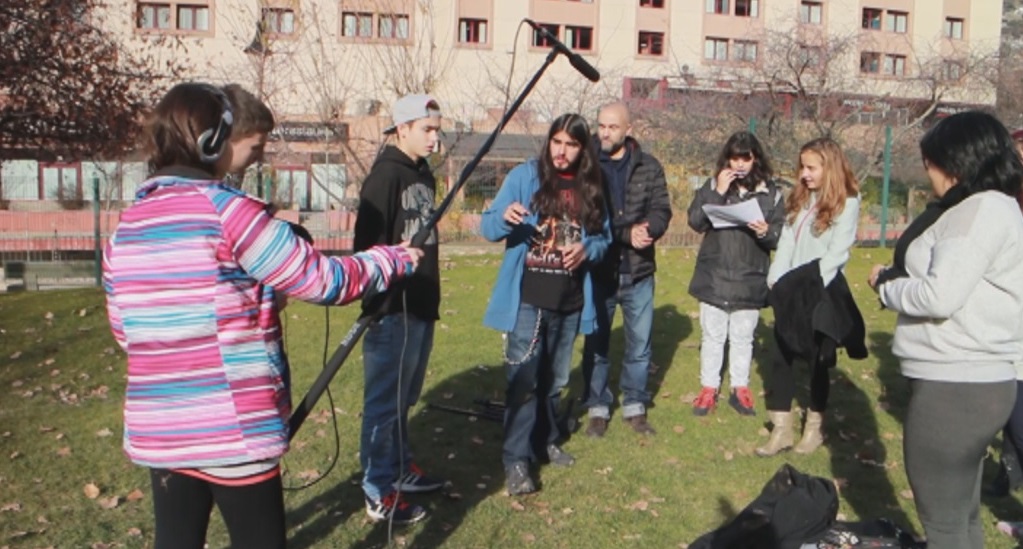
[957, 284]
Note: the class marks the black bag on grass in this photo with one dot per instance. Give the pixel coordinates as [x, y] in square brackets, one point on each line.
[792, 509]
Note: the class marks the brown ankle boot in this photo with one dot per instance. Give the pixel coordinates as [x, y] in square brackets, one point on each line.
[781, 435]
[812, 436]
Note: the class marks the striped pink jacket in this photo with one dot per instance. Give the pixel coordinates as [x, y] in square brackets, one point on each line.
[188, 276]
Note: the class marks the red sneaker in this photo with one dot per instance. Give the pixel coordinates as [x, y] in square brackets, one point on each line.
[706, 401]
[742, 400]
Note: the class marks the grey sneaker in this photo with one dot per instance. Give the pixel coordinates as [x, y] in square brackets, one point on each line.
[518, 480]
[559, 457]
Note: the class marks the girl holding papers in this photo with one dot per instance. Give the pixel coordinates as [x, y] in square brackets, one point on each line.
[730, 279]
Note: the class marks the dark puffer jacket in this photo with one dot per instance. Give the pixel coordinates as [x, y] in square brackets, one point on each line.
[731, 268]
[646, 199]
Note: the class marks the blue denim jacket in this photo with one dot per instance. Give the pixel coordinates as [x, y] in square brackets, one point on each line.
[519, 186]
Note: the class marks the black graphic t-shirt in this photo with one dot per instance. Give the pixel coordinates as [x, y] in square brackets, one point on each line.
[546, 283]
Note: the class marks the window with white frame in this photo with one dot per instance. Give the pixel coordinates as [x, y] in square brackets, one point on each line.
[951, 71]
[718, 6]
[394, 26]
[715, 49]
[579, 38]
[954, 28]
[193, 18]
[539, 40]
[872, 18]
[154, 16]
[279, 20]
[747, 8]
[356, 24]
[745, 51]
[896, 21]
[810, 56]
[472, 31]
[811, 12]
[651, 43]
[895, 65]
[870, 62]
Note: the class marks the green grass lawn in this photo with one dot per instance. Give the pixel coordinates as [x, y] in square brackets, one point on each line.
[65, 483]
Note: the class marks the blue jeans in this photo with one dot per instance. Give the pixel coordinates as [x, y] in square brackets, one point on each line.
[637, 302]
[395, 351]
[537, 369]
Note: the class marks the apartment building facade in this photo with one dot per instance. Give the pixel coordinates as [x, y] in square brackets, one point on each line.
[329, 69]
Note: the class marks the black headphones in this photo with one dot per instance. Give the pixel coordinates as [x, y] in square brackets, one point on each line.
[213, 141]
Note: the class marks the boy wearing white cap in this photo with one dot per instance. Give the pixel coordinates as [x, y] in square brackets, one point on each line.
[396, 200]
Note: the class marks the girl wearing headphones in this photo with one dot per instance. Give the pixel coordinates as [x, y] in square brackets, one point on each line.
[207, 400]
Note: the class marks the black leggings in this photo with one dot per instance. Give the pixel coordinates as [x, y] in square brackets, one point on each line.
[254, 514]
[782, 387]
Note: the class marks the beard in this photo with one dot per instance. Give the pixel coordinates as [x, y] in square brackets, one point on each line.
[613, 148]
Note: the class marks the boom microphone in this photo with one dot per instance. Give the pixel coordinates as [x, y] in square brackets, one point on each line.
[575, 59]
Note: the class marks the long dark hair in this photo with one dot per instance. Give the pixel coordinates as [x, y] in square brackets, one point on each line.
[974, 148]
[744, 144]
[588, 177]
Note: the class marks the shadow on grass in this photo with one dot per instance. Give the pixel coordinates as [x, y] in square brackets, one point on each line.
[670, 328]
[859, 459]
[448, 445]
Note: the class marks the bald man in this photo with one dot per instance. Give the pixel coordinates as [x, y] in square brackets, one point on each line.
[637, 197]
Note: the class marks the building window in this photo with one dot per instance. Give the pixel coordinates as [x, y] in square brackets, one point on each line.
[279, 20]
[60, 181]
[651, 3]
[154, 16]
[871, 19]
[393, 25]
[811, 56]
[811, 12]
[715, 49]
[579, 38]
[954, 28]
[747, 8]
[539, 40]
[896, 21]
[472, 31]
[651, 43]
[870, 62]
[717, 6]
[744, 50]
[357, 25]
[193, 18]
[951, 71]
[895, 65]
[292, 187]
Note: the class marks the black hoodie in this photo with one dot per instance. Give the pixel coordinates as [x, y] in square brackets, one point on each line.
[397, 198]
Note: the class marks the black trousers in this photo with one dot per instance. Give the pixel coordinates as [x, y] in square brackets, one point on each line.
[782, 386]
[254, 514]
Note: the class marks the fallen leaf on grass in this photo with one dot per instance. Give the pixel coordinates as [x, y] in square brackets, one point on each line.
[15, 454]
[906, 494]
[679, 429]
[477, 440]
[12, 506]
[15, 355]
[104, 432]
[517, 506]
[134, 532]
[528, 538]
[640, 505]
[134, 495]
[64, 452]
[46, 428]
[91, 491]
[110, 502]
[567, 511]
[308, 474]
[605, 471]
[729, 456]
